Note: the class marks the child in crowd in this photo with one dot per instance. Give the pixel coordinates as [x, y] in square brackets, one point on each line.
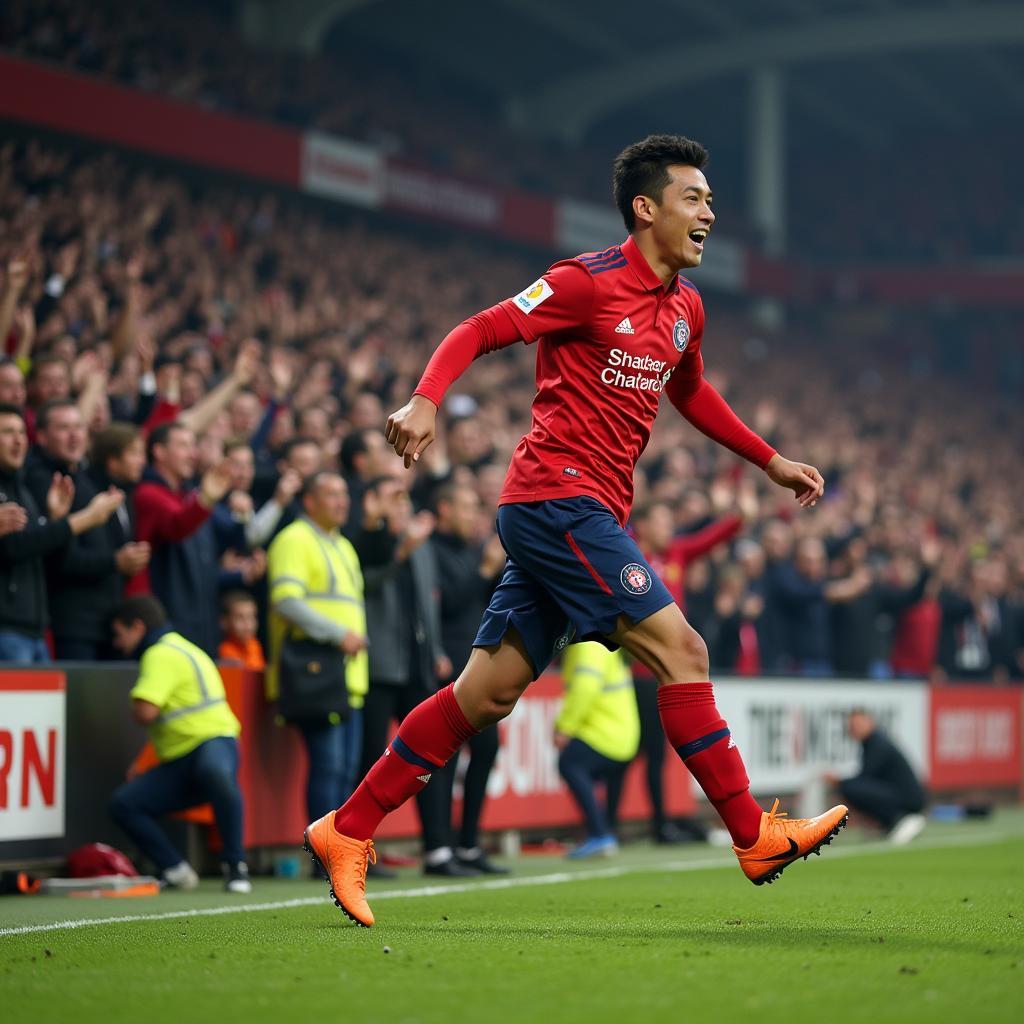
[239, 623]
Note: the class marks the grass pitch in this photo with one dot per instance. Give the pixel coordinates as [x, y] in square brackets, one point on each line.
[931, 932]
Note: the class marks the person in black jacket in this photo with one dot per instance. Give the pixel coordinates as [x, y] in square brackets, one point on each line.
[407, 660]
[468, 571]
[886, 787]
[23, 604]
[117, 459]
[862, 618]
[85, 577]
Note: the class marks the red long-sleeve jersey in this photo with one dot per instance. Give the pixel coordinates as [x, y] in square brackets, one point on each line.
[611, 338]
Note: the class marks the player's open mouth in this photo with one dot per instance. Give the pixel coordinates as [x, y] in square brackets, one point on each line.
[698, 237]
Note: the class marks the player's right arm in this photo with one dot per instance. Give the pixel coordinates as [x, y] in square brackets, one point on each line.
[560, 300]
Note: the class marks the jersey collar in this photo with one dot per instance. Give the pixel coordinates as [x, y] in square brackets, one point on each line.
[642, 269]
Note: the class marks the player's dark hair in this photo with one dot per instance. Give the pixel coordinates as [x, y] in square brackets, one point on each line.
[642, 169]
[144, 608]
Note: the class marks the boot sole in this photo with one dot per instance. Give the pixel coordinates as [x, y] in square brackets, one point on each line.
[776, 870]
[317, 862]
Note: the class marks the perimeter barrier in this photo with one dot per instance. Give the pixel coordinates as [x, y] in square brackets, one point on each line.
[67, 739]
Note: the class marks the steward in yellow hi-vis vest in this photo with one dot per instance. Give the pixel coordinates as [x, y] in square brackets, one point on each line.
[598, 733]
[600, 702]
[180, 697]
[180, 679]
[316, 593]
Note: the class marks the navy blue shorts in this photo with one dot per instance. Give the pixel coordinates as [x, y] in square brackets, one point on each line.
[572, 572]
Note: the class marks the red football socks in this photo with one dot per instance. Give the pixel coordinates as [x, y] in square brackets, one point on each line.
[702, 739]
[427, 738]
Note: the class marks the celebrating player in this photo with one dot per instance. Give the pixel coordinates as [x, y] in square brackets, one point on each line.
[614, 330]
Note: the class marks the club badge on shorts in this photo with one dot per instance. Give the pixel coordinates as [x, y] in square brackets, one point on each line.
[635, 578]
[681, 334]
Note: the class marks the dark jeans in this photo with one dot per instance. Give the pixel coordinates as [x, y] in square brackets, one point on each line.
[880, 799]
[582, 767]
[434, 802]
[26, 650]
[652, 743]
[483, 752]
[333, 752]
[208, 774]
[74, 649]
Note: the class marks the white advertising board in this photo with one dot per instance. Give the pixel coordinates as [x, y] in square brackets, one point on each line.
[790, 731]
[32, 741]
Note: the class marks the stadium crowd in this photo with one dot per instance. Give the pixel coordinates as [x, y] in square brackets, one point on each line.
[194, 52]
[162, 337]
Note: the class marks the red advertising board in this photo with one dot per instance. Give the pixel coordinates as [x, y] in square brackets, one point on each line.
[975, 736]
[32, 744]
[525, 788]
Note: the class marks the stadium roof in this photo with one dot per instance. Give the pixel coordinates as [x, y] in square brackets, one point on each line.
[864, 70]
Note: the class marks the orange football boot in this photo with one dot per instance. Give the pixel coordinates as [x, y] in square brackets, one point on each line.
[783, 840]
[343, 860]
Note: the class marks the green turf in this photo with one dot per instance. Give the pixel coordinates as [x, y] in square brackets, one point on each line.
[928, 933]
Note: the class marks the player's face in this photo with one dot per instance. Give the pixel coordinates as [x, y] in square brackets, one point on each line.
[683, 218]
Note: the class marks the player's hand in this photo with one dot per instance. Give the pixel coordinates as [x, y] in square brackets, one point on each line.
[803, 480]
[410, 431]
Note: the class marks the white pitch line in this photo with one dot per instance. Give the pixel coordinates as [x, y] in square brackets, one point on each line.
[491, 885]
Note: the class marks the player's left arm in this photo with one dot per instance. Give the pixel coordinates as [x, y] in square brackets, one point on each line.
[699, 402]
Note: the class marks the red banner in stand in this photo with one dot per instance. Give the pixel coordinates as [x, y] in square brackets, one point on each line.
[525, 789]
[975, 736]
[100, 109]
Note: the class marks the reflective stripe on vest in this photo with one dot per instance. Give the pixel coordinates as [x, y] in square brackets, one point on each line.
[332, 579]
[206, 702]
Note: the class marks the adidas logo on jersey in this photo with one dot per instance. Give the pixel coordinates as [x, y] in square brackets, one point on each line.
[625, 327]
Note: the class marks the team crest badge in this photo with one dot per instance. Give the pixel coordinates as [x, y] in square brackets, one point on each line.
[636, 578]
[565, 639]
[681, 334]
